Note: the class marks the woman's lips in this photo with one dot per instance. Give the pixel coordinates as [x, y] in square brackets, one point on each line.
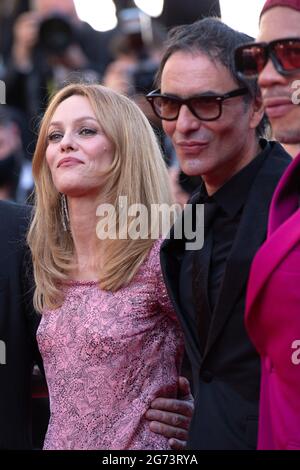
[69, 161]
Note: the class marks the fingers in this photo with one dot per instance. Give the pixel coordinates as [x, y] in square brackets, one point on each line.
[169, 431]
[171, 417]
[184, 389]
[177, 444]
[168, 419]
[172, 405]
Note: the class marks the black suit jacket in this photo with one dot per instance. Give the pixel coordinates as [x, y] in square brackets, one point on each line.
[227, 373]
[18, 324]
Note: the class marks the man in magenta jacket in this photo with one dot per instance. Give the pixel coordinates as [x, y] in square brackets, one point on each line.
[273, 299]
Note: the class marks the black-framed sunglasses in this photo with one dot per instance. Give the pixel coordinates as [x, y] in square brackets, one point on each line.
[207, 107]
[250, 59]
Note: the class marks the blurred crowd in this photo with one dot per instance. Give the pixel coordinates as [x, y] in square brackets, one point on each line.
[43, 46]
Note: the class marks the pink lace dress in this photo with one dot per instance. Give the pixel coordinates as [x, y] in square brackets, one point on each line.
[107, 355]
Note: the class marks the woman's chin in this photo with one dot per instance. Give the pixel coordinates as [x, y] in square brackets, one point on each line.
[72, 191]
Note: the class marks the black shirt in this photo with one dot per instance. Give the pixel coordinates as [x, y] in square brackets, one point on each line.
[222, 214]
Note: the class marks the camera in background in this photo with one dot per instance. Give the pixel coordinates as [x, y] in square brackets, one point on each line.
[140, 37]
[56, 34]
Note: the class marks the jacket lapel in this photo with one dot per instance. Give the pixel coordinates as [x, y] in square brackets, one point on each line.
[283, 230]
[201, 265]
[272, 253]
[250, 236]
[171, 255]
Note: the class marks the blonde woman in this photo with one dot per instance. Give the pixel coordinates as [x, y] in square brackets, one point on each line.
[109, 338]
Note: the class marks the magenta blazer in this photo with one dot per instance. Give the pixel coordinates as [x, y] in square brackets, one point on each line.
[273, 317]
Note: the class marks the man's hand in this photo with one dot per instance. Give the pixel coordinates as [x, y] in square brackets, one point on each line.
[171, 417]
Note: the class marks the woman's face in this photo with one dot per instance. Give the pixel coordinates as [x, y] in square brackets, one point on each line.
[78, 151]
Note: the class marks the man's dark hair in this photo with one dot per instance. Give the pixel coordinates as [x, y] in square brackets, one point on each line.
[217, 41]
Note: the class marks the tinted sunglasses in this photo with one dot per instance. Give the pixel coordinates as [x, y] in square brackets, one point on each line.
[207, 107]
[250, 59]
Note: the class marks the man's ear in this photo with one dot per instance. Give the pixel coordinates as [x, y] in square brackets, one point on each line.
[257, 112]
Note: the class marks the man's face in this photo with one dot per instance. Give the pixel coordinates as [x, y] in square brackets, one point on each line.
[213, 149]
[280, 23]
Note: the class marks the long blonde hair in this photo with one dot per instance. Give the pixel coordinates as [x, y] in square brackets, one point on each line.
[137, 172]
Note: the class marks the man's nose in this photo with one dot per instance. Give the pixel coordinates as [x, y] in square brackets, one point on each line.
[270, 76]
[186, 120]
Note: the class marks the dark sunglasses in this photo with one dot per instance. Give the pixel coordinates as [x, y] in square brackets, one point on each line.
[207, 107]
[250, 59]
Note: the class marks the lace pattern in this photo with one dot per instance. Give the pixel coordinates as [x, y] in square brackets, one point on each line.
[106, 357]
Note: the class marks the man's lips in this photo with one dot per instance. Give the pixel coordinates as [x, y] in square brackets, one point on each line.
[277, 107]
[191, 146]
[68, 161]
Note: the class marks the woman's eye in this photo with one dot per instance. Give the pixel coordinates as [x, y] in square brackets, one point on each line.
[87, 131]
[54, 136]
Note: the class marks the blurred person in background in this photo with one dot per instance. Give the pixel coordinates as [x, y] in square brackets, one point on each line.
[16, 181]
[18, 324]
[49, 44]
[137, 50]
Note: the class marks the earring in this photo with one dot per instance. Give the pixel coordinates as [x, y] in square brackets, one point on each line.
[64, 213]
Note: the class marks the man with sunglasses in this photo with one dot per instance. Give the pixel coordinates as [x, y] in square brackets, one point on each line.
[273, 300]
[275, 60]
[214, 119]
